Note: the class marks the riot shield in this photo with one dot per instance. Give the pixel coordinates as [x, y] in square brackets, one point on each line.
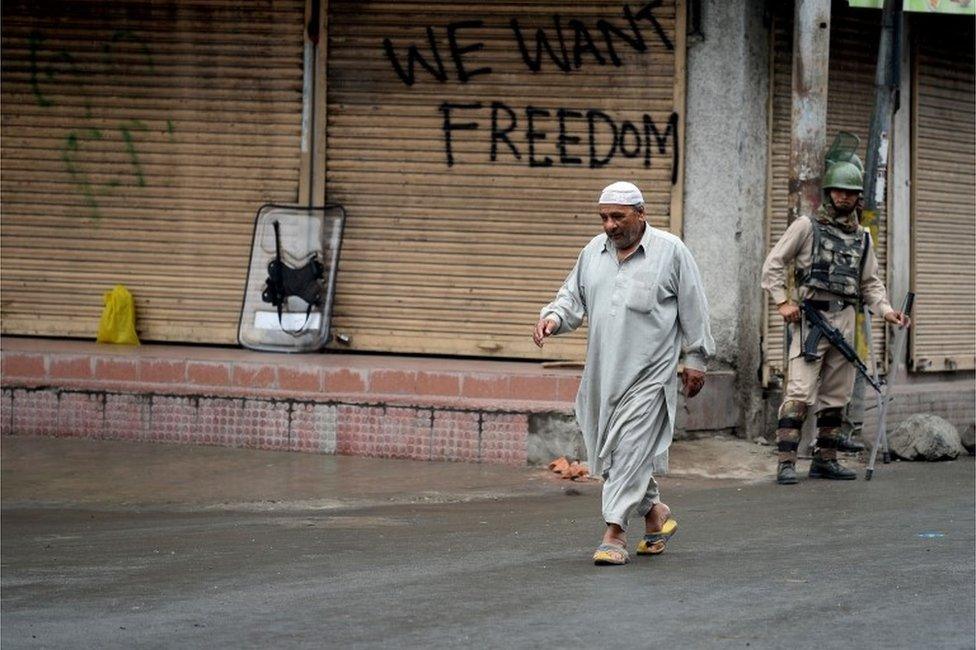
[844, 149]
[287, 305]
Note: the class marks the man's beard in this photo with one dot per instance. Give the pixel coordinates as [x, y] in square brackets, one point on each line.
[841, 211]
[628, 241]
[623, 243]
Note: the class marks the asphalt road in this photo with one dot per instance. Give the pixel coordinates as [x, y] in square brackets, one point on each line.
[124, 545]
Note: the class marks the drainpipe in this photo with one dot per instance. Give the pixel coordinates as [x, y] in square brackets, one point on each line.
[886, 82]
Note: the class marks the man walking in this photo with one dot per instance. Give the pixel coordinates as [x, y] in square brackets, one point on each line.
[640, 290]
[836, 268]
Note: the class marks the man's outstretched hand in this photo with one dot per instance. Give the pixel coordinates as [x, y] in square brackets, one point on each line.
[692, 381]
[543, 329]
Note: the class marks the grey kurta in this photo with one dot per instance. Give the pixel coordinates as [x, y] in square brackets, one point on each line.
[641, 314]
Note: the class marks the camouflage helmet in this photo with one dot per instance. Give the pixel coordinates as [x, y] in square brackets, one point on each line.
[843, 176]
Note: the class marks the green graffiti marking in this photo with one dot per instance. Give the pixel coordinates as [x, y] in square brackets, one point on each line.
[35, 40]
[130, 147]
[47, 64]
[35, 44]
[78, 176]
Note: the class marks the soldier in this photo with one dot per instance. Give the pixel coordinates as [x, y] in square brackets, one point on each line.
[836, 267]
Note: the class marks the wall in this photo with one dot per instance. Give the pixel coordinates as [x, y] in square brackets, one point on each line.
[725, 181]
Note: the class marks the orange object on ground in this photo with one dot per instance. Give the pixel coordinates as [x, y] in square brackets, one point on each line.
[560, 465]
[575, 470]
[578, 471]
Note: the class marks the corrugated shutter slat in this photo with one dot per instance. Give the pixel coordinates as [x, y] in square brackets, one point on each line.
[459, 259]
[944, 196]
[139, 140]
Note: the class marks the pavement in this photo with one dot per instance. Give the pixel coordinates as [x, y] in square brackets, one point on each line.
[112, 544]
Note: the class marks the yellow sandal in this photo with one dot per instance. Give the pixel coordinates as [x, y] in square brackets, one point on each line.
[654, 543]
[610, 554]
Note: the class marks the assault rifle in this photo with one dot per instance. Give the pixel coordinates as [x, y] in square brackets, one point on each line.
[819, 327]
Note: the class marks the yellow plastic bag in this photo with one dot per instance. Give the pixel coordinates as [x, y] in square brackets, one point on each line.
[118, 324]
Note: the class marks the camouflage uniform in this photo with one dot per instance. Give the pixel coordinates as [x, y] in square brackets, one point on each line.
[836, 268]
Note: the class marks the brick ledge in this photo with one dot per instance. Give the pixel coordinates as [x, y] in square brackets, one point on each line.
[369, 405]
[363, 379]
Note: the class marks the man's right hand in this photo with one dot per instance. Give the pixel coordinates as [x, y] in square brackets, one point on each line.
[544, 328]
[789, 311]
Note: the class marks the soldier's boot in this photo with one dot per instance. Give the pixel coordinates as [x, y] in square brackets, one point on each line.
[786, 473]
[791, 416]
[829, 468]
[849, 444]
[824, 464]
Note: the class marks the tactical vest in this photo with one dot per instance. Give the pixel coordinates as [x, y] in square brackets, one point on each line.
[838, 259]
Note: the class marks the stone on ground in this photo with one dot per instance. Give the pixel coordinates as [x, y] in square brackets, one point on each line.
[969, 438]
[926, 437]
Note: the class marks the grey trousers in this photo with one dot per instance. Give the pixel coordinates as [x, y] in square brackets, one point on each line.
[629, 487]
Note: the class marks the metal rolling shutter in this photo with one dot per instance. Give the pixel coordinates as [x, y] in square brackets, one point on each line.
[458, 259]
[139, 138]
[944, 187]
[853, 48]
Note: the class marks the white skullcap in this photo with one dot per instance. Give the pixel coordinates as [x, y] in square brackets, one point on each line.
[621, 193]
